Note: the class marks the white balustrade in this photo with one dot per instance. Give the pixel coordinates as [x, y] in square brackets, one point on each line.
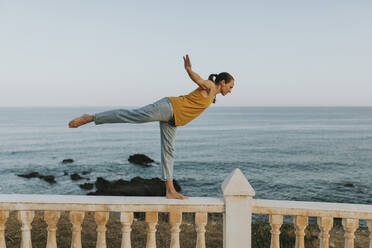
[26, 217]
[300, 225]
[237, 207]
[51, 218]
[175, 219]
[151, 220]
[325, 225]
[101, 219]
[350, 226]
[126, 219]
[200, 221]
[276, 222]
[3, 217]
[76, 218]
[369, 225]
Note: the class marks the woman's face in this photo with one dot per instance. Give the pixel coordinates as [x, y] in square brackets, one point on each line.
[226, 88]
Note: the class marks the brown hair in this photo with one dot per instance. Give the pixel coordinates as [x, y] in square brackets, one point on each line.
[218, 78]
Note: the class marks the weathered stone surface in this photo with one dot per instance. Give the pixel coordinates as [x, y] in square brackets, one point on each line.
[67, 161]
[76, 176]
[87, 186]
[135, 187]
[49, 178]
[140, 159]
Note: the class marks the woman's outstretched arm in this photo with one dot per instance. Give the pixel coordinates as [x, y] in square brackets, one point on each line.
[204, 84]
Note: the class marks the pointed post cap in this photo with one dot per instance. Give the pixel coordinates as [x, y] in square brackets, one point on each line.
[237, 184]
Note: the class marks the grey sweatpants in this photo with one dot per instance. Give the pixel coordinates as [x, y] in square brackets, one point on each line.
[161, 111]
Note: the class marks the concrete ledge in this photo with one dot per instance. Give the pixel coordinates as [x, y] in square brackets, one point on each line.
[108, 203]
[337, 210]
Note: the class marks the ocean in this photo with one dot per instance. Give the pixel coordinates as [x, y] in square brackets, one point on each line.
[319, 154]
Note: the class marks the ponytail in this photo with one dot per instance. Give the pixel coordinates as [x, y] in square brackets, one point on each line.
[211, 77]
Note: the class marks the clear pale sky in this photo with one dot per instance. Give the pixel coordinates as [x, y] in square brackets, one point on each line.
[129, 53]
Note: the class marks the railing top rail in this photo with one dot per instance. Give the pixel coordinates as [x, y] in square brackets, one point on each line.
[108, 203]
[193, 204]
[337, 210]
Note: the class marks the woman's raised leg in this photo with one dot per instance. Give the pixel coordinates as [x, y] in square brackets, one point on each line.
[160, 110]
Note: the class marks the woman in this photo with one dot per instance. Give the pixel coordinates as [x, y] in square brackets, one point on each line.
[171, 112]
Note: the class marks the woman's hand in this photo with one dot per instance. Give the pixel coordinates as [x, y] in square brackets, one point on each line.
[187, 63]
[204, 84]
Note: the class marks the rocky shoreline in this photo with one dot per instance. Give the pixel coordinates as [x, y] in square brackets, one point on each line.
[137, 186]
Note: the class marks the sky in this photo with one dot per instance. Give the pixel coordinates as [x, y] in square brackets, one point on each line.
[129, 53]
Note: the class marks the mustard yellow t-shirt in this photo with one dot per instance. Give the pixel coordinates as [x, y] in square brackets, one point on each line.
[188, 107]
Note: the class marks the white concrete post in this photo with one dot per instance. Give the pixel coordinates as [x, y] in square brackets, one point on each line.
[237, 219]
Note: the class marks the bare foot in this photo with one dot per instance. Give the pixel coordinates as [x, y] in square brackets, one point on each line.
[176, 195]
[77, 122]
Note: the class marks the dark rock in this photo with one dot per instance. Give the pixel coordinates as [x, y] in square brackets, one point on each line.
[349, 185]
[76, 176]
[30, 175]
[85, 172]
[87, 186]
[135, 187]
[65, 173]
[49, 179]
[67, 161]
[140, 159]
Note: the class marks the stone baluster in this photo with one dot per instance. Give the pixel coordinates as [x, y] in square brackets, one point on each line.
[325, 225]
[350, 226]
[300, 225]
[175, 219]
[3, 217]
[101, 219]
[126, 219]
[369, 224]
[276, 221]
[51, 218]
[76, 218]
[151, 220]
[26, 217]
[201, 220]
